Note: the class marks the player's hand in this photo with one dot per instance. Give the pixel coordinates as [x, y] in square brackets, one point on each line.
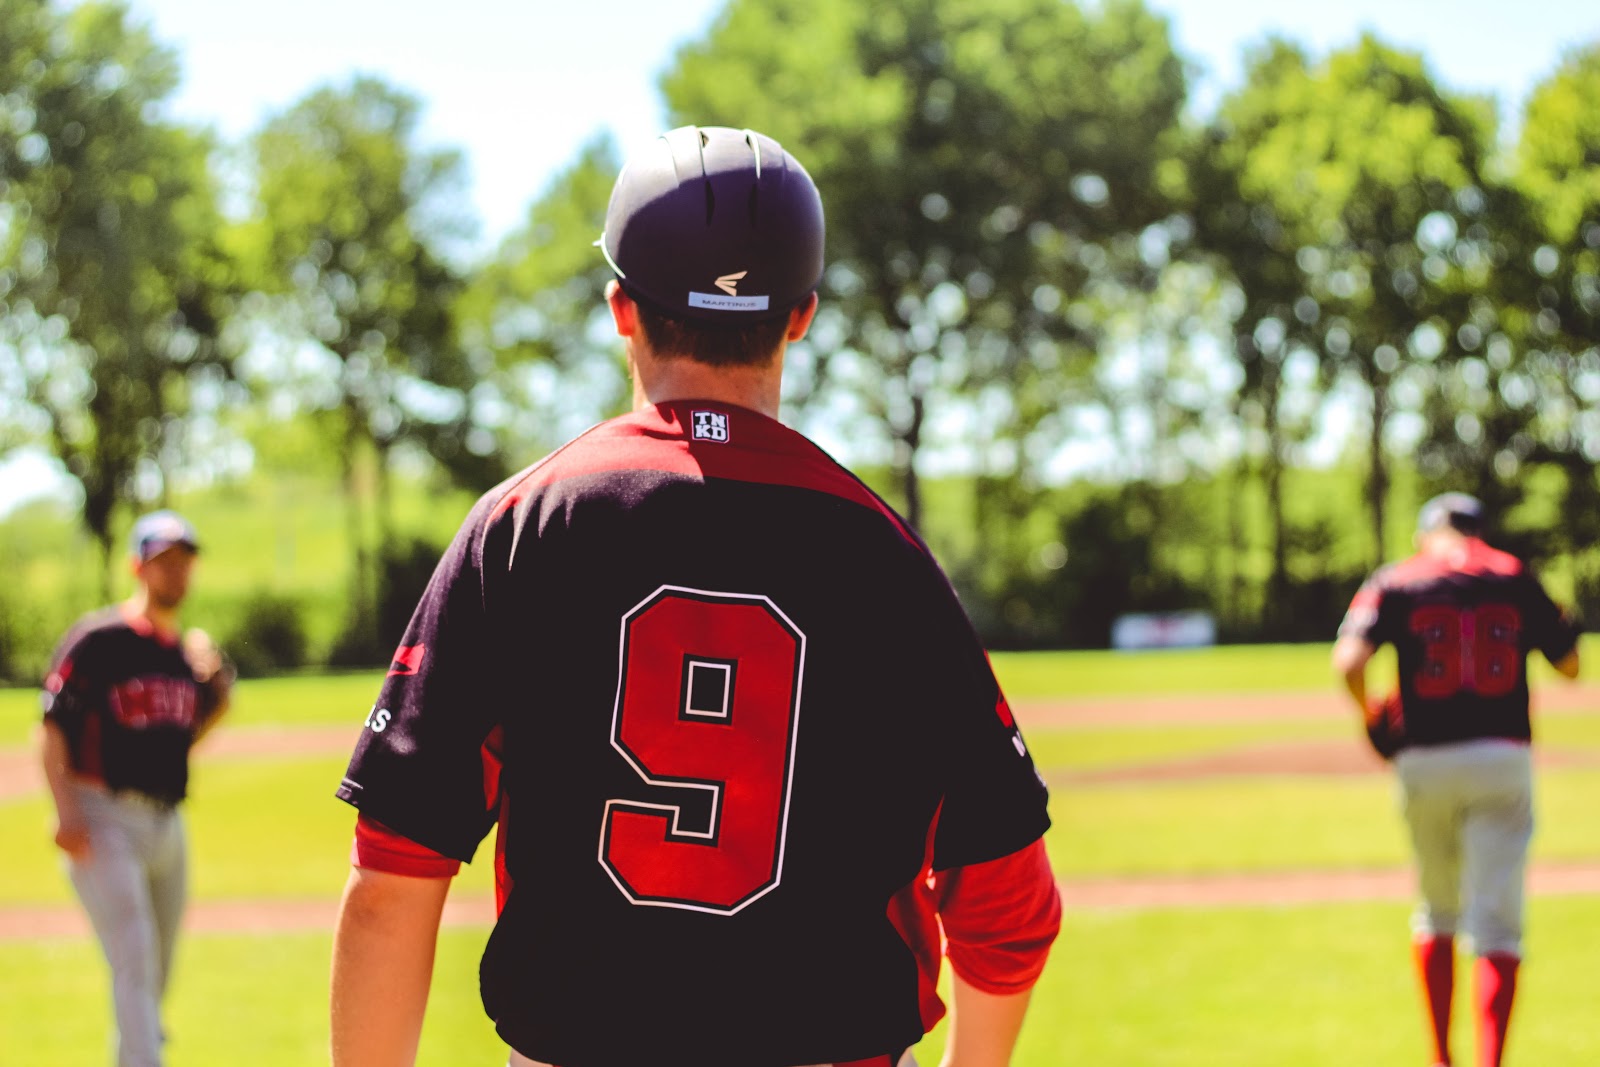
[1385, 723]
[204, 657]
[72, 837]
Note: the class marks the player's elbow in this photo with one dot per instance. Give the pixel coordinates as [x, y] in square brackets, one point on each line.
[1567, 666]
[1350, 656]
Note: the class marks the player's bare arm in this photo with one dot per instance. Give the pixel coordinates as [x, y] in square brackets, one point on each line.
[383, 950]
[983, 1027]
[215, 674]
[1351, 655]
[72, 832]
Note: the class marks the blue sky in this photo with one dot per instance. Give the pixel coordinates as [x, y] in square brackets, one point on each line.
[519, 86]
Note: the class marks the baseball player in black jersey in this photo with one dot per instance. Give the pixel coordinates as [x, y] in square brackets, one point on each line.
[125, 699]
[1463, 619]
[744, 750]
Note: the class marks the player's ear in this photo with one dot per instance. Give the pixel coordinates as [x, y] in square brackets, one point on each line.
[624, 312]
[800, 317]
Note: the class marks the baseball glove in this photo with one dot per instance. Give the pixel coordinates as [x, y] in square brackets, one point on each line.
[1386, 725]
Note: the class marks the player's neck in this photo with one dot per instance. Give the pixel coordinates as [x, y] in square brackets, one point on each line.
[141, 606]
[659, 381]
[1447, 545]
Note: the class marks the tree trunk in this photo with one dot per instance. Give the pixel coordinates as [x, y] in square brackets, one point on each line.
[383, 503]
[912, 438]
[1378, 474]
[360, 589]
[1275, 611]
[107, 558]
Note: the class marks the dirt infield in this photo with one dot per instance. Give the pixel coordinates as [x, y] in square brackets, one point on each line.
[19, 777]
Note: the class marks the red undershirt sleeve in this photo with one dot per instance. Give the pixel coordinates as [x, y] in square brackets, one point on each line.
[1000, 919]
[378, 848]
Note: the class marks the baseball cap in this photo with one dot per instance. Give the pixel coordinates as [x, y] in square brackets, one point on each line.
[158, 531]
[715, 225]
[1458, 511]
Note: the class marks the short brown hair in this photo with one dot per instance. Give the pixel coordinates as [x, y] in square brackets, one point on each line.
[718, 346]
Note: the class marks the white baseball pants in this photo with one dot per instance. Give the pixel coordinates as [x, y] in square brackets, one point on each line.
[133, 886]
[1469, 807]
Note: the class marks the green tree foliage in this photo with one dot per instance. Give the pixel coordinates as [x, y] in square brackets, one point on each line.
[979, 161]
[114, 288]
[1558, 164]
[1375, 174]
[351, 220]
[534, 319]
[1245, 239]
[1032, 258]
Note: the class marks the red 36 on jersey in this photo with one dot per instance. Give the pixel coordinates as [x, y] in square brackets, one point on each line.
[708, 700]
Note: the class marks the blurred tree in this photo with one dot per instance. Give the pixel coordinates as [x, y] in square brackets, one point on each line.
[1559, 168]
[114, 287]
[534, 320]
[979, 161]
[1244, 237]
[1365, 153]
[351, 221]
[1109, 562]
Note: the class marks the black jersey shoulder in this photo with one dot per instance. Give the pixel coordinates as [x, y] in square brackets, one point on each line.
[85, 632]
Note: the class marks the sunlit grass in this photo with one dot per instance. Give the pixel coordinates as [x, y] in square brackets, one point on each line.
[1315, 986]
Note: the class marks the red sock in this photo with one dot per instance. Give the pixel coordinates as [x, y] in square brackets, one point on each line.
[1496, 978]
[1436, 966]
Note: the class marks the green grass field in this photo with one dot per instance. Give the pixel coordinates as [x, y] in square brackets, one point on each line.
[1310, 985]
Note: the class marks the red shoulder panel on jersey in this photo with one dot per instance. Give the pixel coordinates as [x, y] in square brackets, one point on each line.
[753, 448]
[1475, 557]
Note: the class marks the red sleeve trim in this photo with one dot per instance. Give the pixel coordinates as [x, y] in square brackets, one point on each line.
[1000, 919]
[378, 848]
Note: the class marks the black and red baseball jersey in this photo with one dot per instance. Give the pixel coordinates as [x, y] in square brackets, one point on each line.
[128, 703]
[728, 712]
[1462, 627]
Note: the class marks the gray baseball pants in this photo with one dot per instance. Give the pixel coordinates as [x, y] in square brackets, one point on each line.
[133, 886]
[1469, 807]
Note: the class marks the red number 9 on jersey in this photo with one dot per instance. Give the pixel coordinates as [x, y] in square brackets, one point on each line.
[708, 698]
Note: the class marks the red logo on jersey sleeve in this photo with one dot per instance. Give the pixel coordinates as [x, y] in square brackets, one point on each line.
[407, 660]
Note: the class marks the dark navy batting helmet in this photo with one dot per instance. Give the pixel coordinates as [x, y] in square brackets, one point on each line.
[1459, 511]
[715, 225]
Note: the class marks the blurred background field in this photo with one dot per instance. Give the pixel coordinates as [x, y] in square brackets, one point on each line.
[1190, 983]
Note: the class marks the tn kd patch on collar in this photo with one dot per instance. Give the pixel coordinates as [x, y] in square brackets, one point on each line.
[710, 426]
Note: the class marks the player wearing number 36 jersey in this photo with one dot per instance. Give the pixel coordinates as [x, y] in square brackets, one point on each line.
[746, 755]
[1463, 619]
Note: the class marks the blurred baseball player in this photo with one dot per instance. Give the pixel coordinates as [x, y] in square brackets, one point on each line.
[1463, 618]
[743, 747]
[125, 700]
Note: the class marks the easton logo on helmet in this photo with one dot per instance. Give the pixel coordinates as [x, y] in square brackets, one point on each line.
[729, 283]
